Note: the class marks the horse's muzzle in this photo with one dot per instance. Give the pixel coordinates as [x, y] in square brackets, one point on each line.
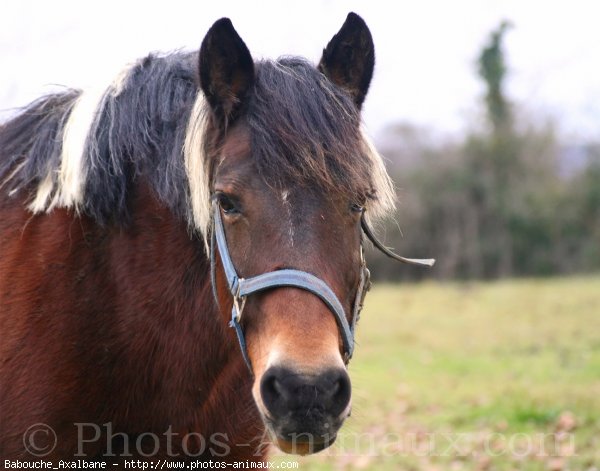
[305, 411]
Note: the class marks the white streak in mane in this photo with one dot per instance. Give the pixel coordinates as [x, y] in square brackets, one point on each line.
[43, 194]
[73, 169]
[64, 187]
[196, 167]
[385, 196]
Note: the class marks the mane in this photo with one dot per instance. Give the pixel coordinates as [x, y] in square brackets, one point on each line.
[84, 150]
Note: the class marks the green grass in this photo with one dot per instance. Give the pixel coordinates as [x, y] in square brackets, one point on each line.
[497, 376]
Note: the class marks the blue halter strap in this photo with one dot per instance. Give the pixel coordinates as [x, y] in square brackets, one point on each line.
[241, 288]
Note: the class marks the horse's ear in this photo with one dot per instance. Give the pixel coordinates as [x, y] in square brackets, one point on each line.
[349, 58]
[226, 69]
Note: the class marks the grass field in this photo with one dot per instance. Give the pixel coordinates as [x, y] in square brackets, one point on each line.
[478, 376]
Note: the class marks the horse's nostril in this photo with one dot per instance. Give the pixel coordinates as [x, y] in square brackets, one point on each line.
[340, 391]
[278, 387]
[270, 389]
[336, 387]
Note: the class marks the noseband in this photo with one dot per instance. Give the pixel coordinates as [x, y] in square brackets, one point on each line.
[241, 288]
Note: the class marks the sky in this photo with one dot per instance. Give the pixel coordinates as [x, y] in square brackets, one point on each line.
[425, 50]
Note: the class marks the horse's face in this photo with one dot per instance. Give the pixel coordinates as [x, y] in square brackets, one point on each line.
[301, 386]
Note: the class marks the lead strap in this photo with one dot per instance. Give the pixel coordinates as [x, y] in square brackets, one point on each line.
[364, 285]
[423, 262]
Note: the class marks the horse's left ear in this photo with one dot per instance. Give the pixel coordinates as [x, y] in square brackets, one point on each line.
[226, 69]
[349, 58]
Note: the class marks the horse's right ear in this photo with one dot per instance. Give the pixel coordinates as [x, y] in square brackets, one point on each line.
[226, 69]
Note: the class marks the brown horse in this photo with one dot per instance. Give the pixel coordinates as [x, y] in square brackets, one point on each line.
[112, 344]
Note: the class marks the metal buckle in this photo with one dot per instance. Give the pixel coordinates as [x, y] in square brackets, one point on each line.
[239, 302]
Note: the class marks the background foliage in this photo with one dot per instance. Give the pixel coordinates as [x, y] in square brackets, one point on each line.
[507, 199]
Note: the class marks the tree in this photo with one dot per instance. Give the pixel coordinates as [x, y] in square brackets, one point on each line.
[493, 204]
[493, 70]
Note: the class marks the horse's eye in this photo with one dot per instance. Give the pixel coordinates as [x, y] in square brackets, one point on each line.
[357, 208]
[226, 204]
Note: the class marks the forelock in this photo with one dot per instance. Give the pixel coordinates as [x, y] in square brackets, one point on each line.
[304, 130]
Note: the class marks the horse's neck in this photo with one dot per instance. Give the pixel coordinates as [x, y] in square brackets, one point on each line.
[171, 323]
[161, 274]
[136, 297]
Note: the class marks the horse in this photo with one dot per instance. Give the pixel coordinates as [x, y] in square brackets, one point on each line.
[197, 191]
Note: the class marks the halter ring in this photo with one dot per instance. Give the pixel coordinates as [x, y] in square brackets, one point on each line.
[239, 306]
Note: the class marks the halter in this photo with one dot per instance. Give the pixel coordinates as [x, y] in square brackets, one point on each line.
[241, 288]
